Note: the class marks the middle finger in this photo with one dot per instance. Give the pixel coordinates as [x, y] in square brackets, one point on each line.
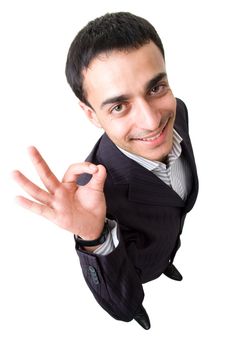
[33, 190]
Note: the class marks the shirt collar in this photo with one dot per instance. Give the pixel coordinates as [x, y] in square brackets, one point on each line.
[153, 164]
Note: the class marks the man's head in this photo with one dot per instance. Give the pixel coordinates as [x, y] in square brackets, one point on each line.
[116, 68]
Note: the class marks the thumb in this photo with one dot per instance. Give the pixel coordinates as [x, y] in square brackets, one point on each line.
[98, 179]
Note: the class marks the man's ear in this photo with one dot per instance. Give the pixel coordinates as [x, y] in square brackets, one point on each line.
[91, 114]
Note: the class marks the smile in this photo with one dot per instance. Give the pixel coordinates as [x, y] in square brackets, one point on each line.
[151, 137]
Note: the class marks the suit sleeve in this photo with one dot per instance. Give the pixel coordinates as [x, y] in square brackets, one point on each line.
[113, 281]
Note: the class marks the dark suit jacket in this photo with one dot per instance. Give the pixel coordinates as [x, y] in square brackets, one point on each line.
[150, 217]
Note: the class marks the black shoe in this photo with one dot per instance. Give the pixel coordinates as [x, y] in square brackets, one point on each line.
[172, 272]
[142, 318]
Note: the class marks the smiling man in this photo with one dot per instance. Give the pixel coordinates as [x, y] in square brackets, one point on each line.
[131, 100]
[127, 203]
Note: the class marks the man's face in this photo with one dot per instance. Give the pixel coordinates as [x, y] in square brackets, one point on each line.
[132, 100]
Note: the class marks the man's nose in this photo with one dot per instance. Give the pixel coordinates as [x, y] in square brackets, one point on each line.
[146, 116]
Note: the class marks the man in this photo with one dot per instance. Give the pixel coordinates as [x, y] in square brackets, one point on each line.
[127, 203]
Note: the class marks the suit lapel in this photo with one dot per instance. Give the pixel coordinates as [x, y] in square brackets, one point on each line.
[188, 154]
[147, 188]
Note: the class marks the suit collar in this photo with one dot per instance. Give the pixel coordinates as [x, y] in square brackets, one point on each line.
[152, 164]
[188, 154]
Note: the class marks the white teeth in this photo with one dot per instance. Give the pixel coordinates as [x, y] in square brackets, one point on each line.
[151, 138]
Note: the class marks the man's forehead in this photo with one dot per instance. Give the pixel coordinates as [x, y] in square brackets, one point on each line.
[124, 55]
[118, 72]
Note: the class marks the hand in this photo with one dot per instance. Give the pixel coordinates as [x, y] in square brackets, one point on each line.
[78, 209]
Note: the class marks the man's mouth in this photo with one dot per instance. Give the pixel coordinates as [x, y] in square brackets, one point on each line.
[152, 136]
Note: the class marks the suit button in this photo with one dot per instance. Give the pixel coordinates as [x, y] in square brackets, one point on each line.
[91, 269]
[93, 274]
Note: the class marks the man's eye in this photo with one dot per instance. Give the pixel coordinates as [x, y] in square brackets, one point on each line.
[158, 89]
[118, 108]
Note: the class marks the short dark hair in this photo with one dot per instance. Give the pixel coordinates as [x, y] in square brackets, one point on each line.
[113, 31]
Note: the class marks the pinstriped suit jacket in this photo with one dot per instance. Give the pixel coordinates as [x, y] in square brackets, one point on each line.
[150, 217]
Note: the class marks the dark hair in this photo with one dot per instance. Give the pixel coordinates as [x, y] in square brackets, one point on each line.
[113, 31]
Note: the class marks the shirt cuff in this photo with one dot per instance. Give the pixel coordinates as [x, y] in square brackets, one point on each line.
[111, 242]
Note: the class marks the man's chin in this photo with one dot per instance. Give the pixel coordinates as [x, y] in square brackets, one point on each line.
[159, 155]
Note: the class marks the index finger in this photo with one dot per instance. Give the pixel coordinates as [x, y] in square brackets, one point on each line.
[77, 169]
[47, 177]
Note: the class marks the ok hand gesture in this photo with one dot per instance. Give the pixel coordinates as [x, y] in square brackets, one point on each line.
[78, 209]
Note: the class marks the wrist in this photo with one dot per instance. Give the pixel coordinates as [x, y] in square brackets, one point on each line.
[101, 238]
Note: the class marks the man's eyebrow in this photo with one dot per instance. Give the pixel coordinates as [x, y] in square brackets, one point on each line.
[115, 99]
[122, 98]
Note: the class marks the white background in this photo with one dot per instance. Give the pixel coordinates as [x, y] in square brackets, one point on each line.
[45, 303]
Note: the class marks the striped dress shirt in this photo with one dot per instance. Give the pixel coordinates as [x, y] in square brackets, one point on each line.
[174, 173]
